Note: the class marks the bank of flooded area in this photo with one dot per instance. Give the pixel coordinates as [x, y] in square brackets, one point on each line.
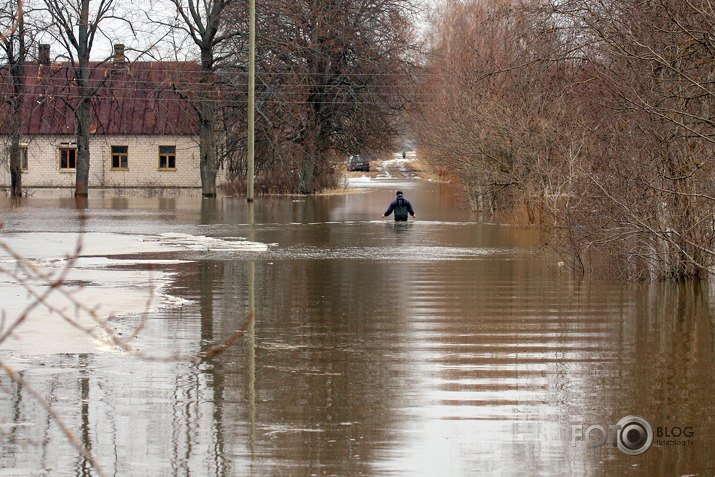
[448, 345]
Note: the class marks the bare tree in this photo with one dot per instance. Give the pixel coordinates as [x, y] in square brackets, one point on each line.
[331, 78]
[206, 24]
[12, 42]
[490, 112]
[76, 24]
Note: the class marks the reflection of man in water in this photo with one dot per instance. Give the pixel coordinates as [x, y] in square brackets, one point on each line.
[401, 207]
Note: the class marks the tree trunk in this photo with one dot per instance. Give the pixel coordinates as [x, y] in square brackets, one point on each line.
[207, 152]
[15, 158]
[18, 100]
[307, 172]
[15, 167]
[83, 107]
[306, 184]
[82, 173]
[208, 164]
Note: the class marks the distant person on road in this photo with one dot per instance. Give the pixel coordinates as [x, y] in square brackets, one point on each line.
[401, 207]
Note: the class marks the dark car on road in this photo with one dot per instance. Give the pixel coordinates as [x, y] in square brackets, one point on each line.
[358, 163]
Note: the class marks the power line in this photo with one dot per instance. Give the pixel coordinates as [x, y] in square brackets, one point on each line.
[126, 70]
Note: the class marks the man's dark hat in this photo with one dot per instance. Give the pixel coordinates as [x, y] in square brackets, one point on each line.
[399, 192]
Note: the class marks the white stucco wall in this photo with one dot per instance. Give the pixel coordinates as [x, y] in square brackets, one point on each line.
[43, 170]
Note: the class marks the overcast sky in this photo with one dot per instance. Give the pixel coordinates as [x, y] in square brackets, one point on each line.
[143, 15]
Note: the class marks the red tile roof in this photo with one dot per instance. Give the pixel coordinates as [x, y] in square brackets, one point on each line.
[132, 98]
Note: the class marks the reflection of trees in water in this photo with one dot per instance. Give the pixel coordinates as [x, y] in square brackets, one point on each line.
[317, 395]
[675, 343]
[663, 370]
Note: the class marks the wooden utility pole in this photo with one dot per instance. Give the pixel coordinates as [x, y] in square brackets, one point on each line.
[251, 97]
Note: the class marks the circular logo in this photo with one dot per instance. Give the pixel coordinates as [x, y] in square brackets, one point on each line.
[635, 435]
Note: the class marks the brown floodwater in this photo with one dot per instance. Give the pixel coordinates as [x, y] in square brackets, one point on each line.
[447, 346]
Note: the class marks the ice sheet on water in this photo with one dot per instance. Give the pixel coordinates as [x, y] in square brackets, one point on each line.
[203, 242]
[51, 246]
[105, 291]
[101, 277]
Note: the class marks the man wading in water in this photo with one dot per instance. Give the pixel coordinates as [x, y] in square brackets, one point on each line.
[401, 207]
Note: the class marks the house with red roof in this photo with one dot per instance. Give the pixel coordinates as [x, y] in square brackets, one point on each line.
[144, 126]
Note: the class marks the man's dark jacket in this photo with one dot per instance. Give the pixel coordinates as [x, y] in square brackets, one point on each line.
[402, 207]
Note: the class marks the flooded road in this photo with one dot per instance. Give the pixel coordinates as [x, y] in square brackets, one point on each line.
[447, 346]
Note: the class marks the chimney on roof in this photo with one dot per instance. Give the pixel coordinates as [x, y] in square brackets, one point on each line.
[119, 53]
[43, 54]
